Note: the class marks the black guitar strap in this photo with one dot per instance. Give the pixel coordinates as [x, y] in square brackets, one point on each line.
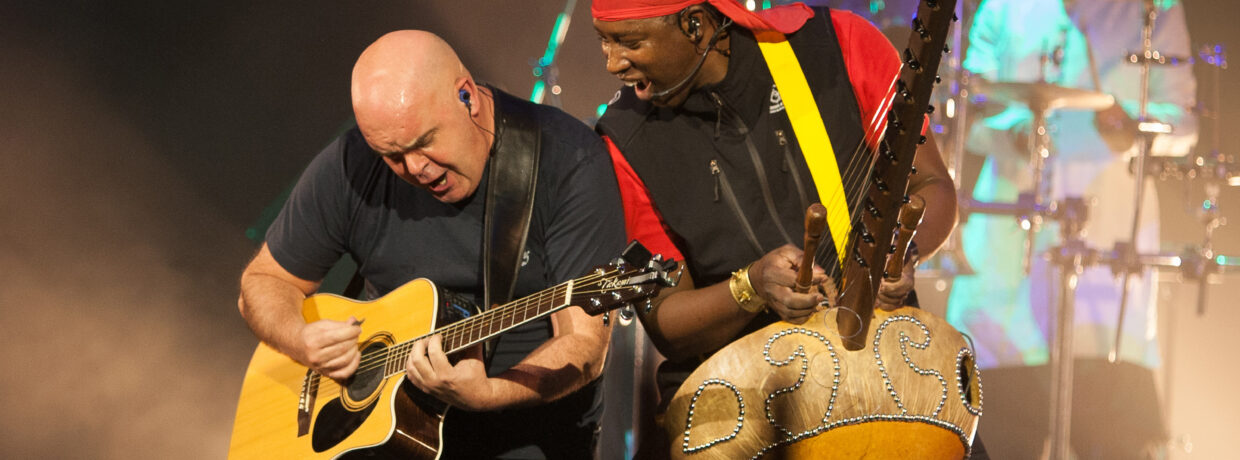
[510, 197]
[510, 200]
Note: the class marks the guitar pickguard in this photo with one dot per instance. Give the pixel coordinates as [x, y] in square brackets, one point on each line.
[335, 423]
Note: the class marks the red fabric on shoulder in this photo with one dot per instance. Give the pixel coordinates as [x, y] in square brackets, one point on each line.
[641, 220]
[873, 66]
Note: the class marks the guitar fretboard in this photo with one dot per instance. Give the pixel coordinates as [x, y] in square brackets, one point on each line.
[475, 329]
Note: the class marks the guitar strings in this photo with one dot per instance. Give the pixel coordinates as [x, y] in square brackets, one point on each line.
[506, 311]
[399, 352]
[378, 358]
[383, 357]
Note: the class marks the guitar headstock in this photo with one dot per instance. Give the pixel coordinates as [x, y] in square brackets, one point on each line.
[633, 277]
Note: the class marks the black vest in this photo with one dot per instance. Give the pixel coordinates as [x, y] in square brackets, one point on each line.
[690, 156]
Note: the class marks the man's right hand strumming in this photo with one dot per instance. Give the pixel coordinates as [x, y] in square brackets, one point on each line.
[330, 347]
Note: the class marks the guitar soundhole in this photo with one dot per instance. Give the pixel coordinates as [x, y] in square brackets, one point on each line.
[370, 374]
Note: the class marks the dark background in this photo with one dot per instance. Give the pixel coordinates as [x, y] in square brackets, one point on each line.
[142, 139]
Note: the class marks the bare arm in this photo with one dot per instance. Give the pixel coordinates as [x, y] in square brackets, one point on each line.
[934, 184]
[271, 300]
[687, 321]
[572, 358]
[563, 364]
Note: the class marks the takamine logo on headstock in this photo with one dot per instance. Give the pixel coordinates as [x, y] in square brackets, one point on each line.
[635, 275]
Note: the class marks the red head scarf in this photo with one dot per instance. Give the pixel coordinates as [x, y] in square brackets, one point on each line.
[785, 19]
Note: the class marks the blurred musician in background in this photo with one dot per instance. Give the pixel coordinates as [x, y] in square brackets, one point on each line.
[1009, 313]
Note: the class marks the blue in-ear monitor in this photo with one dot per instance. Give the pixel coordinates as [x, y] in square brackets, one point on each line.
[464, 96]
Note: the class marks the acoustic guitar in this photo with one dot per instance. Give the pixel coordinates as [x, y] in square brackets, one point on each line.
[289, 411]
[851, 382]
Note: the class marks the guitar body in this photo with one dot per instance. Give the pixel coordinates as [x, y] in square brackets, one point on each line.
[285, 411]
[289, 411]
[793, 391]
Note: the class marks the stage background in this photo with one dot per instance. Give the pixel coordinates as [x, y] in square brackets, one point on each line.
[142, 139]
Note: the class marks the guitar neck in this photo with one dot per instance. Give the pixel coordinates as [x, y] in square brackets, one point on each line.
[492, 322]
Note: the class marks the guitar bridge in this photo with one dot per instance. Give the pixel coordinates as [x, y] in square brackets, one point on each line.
[305, 403]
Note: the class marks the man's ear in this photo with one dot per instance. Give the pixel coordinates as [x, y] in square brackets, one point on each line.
[467, 91]
[691, 25]
[699, 24]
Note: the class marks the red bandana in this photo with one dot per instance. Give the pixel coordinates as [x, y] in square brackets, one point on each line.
[785, 19]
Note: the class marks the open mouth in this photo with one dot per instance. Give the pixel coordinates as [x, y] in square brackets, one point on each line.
[438, 185]
[641, 87]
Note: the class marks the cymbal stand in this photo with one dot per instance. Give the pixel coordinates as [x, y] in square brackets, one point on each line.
[1039, 155]
[1215, 168]
[1040, 152]
[1148, 57]
[1072, 256]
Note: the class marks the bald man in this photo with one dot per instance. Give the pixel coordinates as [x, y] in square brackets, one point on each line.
[403, 193]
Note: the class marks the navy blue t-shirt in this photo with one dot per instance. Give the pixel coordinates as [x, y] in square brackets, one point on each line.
[348, 201]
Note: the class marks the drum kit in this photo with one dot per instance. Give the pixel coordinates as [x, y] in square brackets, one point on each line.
[1072, 254]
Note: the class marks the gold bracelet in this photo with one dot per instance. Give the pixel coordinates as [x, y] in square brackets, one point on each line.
[743, 293]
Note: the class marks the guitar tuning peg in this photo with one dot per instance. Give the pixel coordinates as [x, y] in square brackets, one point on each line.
[606, 318]
[947, 49]
[627, 314]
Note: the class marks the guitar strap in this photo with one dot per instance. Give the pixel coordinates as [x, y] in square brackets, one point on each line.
[510, 197]
[509, 200]
[811, 132]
